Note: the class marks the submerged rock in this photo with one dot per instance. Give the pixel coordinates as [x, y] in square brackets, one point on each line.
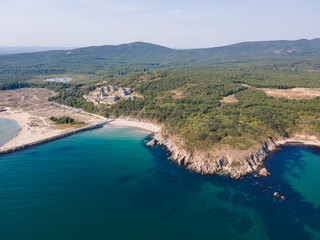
[281, 198]
[151, 143]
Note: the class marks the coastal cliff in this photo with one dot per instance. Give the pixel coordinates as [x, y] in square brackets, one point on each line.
[225, 160]
[233, 163]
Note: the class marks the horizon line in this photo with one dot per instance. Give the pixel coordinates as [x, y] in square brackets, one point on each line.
[174, 48]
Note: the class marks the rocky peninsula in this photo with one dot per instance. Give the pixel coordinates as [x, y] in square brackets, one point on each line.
[223, 159]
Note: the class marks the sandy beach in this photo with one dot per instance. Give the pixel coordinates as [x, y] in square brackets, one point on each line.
[30, 105]
[31, 134]
[122, 122]
[26, 134]
[298, 142]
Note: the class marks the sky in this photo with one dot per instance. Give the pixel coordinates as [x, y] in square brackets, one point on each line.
[176, 24]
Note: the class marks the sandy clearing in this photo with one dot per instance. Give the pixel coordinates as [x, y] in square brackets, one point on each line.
[177, 94]
[229, 99]
[293, 93]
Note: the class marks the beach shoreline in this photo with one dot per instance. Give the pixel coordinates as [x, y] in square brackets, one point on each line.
[26, 136]
[31, 110]
[23, 138]
[292, 141]
[130, 122]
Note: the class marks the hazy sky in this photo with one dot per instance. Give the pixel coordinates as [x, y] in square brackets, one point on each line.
[176, 23]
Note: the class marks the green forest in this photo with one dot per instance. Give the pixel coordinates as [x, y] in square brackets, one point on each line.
[183, 89]
[200, 118]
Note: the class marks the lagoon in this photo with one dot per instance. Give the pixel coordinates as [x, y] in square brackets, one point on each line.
[8, 130]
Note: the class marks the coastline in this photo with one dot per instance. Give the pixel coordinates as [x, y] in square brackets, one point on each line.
[49, 139]
[292, 141]
[129, 122]
[30, 109]
[27, 134]
[26, 137]
[230, 162]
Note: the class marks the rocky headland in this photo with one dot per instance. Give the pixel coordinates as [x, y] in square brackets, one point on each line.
[223, 159]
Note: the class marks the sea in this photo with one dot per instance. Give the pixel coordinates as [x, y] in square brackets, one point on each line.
[8, 130]
[105, 184]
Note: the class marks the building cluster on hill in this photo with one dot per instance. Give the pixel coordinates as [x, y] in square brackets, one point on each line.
[109, 95]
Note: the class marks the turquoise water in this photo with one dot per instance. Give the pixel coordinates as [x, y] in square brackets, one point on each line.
[8, 130]
[105, 184]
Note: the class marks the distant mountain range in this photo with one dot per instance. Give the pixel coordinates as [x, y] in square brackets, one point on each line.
[17, 50]
[142, 54]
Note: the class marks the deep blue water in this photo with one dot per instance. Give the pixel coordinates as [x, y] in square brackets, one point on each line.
[8, 130]
[105, 184]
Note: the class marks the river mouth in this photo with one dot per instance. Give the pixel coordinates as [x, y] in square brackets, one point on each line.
[105, 184]
[8, 130]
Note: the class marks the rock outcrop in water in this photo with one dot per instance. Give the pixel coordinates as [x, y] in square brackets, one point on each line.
[231, 162]
[152, 143]
[263, 172]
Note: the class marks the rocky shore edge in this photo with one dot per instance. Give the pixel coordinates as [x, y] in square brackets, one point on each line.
[232, 163]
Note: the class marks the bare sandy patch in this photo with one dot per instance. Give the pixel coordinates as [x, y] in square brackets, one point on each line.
[177, 94]
[229, 99]
[293, 93]
[245, 85]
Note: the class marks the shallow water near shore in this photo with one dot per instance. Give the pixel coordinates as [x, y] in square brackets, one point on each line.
[105, 184]
[8, 130]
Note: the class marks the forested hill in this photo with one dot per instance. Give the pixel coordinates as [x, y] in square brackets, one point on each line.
[146, 53]
[301, 47]
[122, 59]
